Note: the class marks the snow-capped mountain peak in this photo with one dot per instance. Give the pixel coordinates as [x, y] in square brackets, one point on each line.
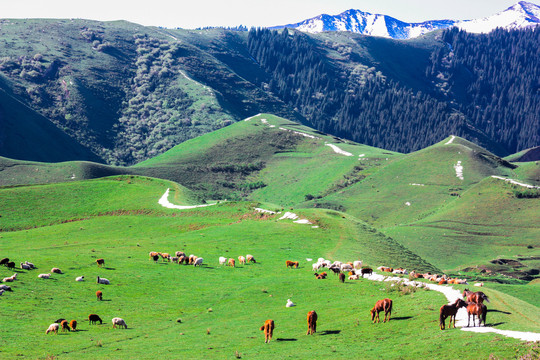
[522, 14]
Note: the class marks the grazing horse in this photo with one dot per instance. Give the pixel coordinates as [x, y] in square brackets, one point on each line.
[450, 310]
[479, 310]
[311, 322]
[268, 328]
[386, 305]
[475, 297]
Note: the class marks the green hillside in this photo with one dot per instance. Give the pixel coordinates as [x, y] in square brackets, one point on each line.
[210, 311]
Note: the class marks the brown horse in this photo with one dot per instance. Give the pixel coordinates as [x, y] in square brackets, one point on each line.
[381, 305]
[475, 297]
[311, 322]
[450, 310]
[268, 329]
[479, 310]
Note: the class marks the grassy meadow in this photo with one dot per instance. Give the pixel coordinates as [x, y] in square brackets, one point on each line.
[212, 312]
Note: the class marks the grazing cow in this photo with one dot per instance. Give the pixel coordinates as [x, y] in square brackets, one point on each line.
[93, 318]
[311, 322]
[182, 259]
[366, 270]
[99, 295]
[450, 310]
[103, 281]
[165, 256]
[56, 271]
[242, 260]
[341, 277]
[4, 261]
[155, 258]
[180, 253]
[199, 261]
[222, 260]
[291, 264]
[385, 269]
[100, 262]
[119, 322]
[64, 325]
[381, 305]
[250, 258]
[268, 328]
[231, 262]
[73, 325]
[192, 259]
[44, 276]
[53, 328]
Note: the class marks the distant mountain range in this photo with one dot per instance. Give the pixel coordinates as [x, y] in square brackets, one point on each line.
[523, 14]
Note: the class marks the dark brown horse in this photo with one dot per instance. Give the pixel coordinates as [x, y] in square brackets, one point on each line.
[381, 305]
[475, 297]
[479, 310]
[450, 310]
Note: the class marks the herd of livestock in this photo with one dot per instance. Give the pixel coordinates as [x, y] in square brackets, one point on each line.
[355, 270]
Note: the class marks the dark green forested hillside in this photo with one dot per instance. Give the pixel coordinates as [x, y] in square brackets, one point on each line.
[120, 93]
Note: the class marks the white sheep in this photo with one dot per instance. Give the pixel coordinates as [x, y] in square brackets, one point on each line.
[320, 260]
[479, 284]
[80, 278]
[357, 264]
[119, 322]
[44, 276]
[222, 260]
[354, 277]
[53, 328]
[10, 279]
[32, 266]
[346, 267]
[25, 267]
[290, 303]
[316, 266]
[103, 281]
[198, 262]
[327, 263]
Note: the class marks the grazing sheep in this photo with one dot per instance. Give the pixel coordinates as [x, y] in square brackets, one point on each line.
[165, 256]
[10, 279]
[174, 259]
[191, 259]
[316, 266]
[199, 261]
[80, 278]
[100, 262]
[290, 303]
[93, 318]
[357, 264]
[222, 260]
[4, 261]
[11, 265]
[119, 322]
[354, 277]
[5, 287]
[44, 276]
[53, 328]
[64, 325]
[250, 258]
[242, 260]
[366, 270]
[231, 262]
[479, 284]
[32, 266]
[268, 329]
[99, 295]
[103, 281]
[180, 253]
[73, 325]
[346, 267]
[56, 270]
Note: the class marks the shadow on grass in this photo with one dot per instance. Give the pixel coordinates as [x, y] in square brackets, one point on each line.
[109, 268]
[496, 324]
[284, 339]
[402, 318]
[499, 311]
[330, 332]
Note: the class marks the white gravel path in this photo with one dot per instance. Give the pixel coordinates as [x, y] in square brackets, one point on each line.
[338, 150]
[450, 141]
[461, 316]
[516, 182]
[164, 201]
